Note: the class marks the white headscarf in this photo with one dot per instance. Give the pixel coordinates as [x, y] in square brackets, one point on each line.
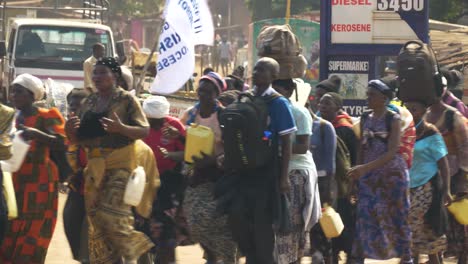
[156, 107]
[32, 83]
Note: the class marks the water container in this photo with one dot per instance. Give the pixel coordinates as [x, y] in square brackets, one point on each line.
[331, 222]
[200, 139]
[19, 149]
[459, 209]
[135, 187]
[10, 197]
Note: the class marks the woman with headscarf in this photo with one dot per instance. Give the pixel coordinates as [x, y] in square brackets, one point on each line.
[330, 107]
[207, 226]
[108, 126]
[304, 198]
[166, 139]
[454, 129]
[28, 236]
[382, 230]
[428, 195]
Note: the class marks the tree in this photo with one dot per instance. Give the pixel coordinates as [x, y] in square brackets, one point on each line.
[446, 10]
[264, 9]
[141, 8]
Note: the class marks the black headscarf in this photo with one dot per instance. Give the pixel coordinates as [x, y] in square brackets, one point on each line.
[112, 64]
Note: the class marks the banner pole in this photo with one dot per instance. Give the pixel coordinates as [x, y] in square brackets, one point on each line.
[155, 47]
[288, 11]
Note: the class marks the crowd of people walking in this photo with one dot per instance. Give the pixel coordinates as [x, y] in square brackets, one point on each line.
[390, 174]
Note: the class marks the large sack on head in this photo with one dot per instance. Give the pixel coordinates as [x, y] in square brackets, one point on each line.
[418, 73]
[292, 67]
[278, 41]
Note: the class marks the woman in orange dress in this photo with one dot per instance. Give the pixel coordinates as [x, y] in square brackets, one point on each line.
[28, 236]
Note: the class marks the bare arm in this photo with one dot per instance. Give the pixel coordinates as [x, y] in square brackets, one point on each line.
[52, 140]
[134, 132]
[286, 149]
[444, 172]
[302, 144]
[114, 125]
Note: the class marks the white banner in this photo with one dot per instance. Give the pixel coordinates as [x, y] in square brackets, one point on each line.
[188, 23]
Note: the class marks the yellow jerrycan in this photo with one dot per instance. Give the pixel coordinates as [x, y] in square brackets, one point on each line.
[459, 209]
[200, 139]
[331, 222]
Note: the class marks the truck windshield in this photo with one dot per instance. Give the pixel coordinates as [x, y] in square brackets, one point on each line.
[58, 47]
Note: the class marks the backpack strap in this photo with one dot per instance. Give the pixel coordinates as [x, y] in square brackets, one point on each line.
[450, 120]
[363, 120]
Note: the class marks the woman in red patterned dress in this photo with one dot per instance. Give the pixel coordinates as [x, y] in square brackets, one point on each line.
[28, 236]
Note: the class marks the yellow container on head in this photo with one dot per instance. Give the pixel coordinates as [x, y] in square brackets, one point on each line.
[200, 139]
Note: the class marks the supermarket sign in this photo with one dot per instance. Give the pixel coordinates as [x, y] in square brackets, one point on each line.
[374, 21]
[357, 37]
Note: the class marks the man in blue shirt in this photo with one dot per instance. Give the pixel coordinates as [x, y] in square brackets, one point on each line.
[253, 211]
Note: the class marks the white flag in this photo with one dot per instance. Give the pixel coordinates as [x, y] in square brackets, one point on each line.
[187, 23]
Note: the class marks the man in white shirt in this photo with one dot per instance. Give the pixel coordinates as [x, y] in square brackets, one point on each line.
[88, 65]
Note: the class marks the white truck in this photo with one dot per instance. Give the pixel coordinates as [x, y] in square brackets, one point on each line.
[51, 48]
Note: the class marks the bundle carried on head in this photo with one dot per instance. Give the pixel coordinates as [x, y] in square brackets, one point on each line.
[419, 74]
[280, 43]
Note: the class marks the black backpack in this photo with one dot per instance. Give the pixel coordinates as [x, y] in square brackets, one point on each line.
[418, 73]
[247, 142]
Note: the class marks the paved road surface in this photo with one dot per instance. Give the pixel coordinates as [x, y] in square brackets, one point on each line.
[59, 251]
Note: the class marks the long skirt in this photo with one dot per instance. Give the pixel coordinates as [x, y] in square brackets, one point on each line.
[111, 223]
[382, 229]
[290, 245]
[28, 237]
[207, 226]
[76, 226]
[425, 241]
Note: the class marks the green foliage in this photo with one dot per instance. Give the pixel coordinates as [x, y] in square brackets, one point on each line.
[264, 9]
[141, 8]
[446, 10]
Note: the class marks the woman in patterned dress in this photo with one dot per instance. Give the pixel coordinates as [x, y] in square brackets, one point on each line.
[454, 129]
[207, 226]
[382, 229]
[304, 198]
[28, 236]
[429, 165]
[109, 125]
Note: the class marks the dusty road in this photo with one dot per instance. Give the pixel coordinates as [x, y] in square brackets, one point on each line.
[59, 251]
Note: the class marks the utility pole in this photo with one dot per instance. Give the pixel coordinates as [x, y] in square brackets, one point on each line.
[229, 19]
